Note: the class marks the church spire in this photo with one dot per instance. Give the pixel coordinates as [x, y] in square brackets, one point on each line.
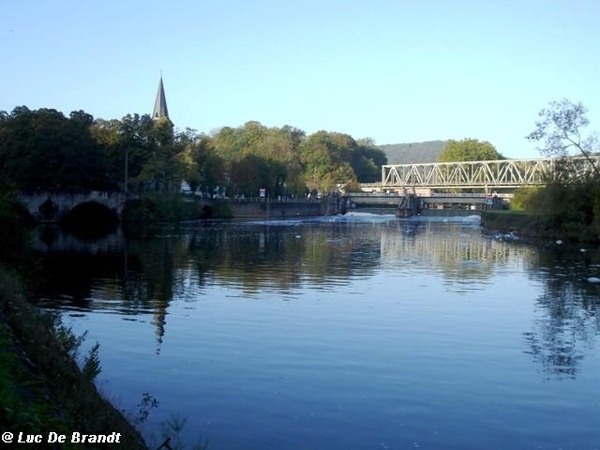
[160, 105]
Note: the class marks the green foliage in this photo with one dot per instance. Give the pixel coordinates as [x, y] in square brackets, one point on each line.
[41, 387]
[256, 156]
[16, 413]
[64, 336]
[202, 168]
[91, 365]
[469, 150]
[523, 198]
[160, 171]
[572, 211]
[140, 217]
[367, 161]
[44, 149]
[144, 216]
[327, 158]
[150, 150]
[252, 172]
[14, 227]
[285, 161]
[572, 205]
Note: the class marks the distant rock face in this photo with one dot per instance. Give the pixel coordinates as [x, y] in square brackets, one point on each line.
[413, 153]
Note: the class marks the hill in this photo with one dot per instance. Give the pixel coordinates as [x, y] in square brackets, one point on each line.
[417, 152]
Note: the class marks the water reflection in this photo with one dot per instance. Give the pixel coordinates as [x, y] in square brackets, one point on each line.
[143, 277]
[567, 319]
[460, 256]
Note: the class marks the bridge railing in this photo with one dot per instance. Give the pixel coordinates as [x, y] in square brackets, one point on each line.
[507, 173]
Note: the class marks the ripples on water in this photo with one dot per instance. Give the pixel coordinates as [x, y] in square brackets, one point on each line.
[356, 332]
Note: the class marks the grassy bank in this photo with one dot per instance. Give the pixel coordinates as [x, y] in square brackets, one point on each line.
[538, 225]
[42, 389]
[569, 211]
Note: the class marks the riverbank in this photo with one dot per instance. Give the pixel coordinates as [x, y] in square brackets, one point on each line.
[147, 215]
[42, 389]
[537, 225]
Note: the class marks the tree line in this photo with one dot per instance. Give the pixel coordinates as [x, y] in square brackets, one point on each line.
[44, 149]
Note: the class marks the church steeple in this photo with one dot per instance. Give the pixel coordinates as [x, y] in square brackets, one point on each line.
[160, 105]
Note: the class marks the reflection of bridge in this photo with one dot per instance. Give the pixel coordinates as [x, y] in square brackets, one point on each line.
[53, 206]
[460, 254]
[509, 173]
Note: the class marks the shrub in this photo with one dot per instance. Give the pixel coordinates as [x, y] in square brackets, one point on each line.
[569, 211]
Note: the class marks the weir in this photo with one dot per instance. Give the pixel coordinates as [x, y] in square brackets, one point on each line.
[426, 203]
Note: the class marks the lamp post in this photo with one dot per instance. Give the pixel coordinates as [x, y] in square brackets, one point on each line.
[126, 169]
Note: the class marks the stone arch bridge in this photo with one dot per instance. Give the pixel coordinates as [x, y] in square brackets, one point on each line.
[53, 206]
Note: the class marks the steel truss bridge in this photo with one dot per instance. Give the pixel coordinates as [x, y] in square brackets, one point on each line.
[500, 174]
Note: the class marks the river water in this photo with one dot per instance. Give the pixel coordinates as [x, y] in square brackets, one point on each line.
[354, 332]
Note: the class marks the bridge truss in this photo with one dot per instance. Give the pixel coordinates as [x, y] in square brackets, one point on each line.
[508, 173]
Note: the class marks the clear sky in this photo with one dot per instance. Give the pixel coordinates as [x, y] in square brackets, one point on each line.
[396, 71]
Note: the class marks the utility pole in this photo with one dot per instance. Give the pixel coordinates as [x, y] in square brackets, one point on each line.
[126, 169]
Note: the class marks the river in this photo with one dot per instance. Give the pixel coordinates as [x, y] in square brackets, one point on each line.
[353, 332]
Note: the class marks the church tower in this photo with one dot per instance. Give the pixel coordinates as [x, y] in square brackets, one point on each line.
[160, 104]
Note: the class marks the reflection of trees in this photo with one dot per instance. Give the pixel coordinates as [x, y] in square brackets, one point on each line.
[143, 277]
[67, 278]
[131, 279]
[567, 319]
[457, 251]
[151, 285]
[263, 256]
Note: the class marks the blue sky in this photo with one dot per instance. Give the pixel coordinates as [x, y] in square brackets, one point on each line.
[395, 71]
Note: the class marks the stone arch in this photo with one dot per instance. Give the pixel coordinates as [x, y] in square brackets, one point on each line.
[91, 217]
[206, 212]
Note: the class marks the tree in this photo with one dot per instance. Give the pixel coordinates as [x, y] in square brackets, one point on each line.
[469, 150]
[253, 172]
[161, 170]
[571, 197]
[44, 149]
[560, 129]
[367, 161]
[327, 158]
[274, 150]
[107, 134]
[201, 166]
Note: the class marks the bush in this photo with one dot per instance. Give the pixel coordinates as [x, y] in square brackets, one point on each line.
[523, 198]
[14, 229]
[144, 216]
[571, 211]
[41, 387]
[140, 218]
